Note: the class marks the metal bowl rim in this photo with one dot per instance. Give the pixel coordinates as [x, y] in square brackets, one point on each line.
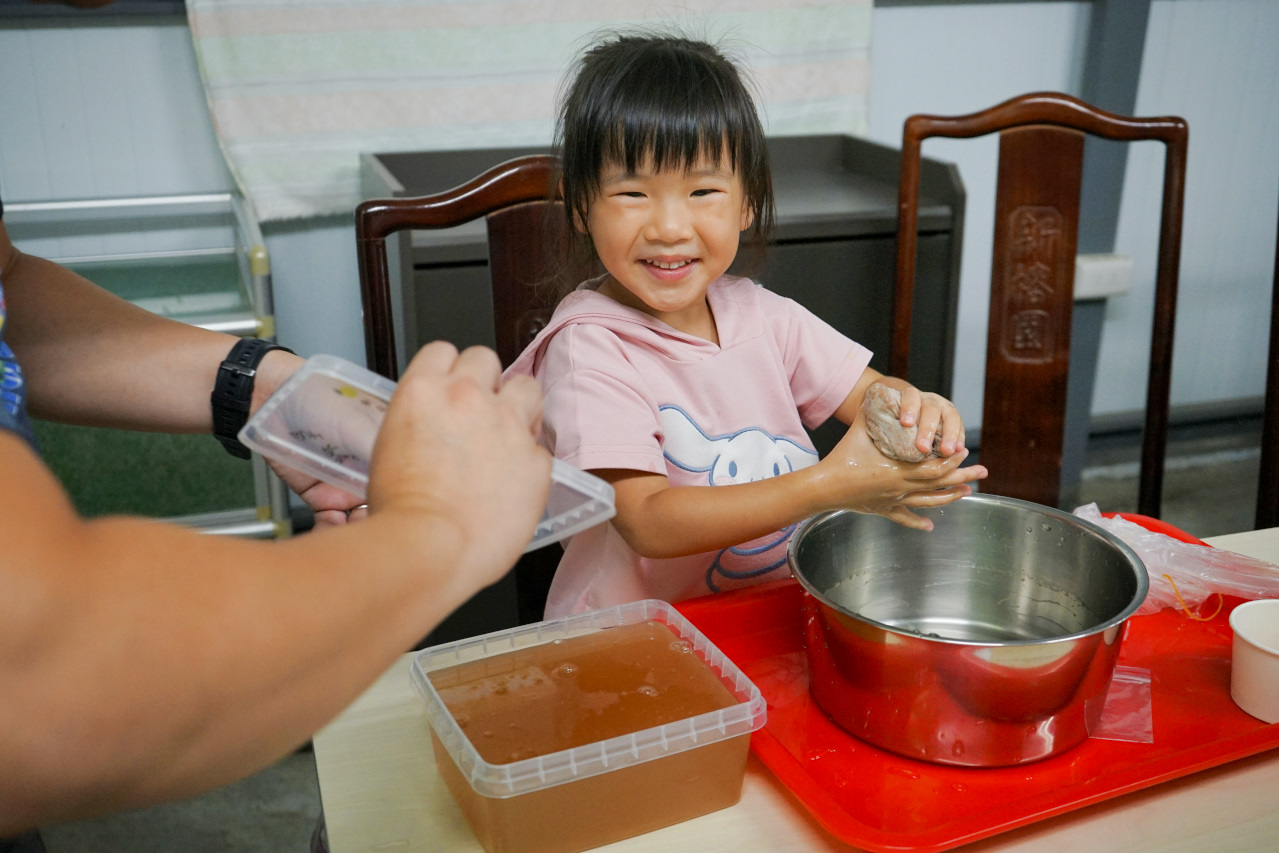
[1143, 578]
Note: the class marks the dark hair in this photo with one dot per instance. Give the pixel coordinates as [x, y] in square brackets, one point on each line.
[674, 99]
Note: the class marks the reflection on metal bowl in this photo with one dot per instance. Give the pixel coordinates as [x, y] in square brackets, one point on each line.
[988, 641]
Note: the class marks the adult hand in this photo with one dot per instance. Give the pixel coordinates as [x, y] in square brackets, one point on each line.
[867, 481]
[333, 507]
[460, 448]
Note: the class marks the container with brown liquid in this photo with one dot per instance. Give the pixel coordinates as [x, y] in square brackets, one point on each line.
[578, 732]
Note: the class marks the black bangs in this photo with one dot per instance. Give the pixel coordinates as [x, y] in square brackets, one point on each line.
[664, 105]
[662, 101]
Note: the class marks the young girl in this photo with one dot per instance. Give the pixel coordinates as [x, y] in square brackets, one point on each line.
[665, 375]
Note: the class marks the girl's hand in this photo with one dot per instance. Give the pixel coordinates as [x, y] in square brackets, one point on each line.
[934, 414]
[863, 479]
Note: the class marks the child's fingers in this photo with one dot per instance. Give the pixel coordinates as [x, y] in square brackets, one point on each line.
[952, 434]
[952, 475]
[930, 421]
[911, 399]
[906, 518]
[960, 476]
[933, 467]
[937, 497]
[951, 428]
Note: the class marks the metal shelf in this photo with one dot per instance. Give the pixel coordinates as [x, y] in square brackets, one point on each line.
[198, 259]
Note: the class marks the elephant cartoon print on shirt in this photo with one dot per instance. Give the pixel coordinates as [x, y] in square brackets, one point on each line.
[741, 457]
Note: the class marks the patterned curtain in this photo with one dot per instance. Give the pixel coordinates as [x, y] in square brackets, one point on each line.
[298, 88]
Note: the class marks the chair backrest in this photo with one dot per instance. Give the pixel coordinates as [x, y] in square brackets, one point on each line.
[1032, 281]
[1268, 481]
[523, 232]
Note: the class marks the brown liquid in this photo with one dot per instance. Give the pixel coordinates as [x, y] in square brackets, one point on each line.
[585, 689]
[556, 696]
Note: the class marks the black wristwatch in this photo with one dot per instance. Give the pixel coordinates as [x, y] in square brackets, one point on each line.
[233, 391]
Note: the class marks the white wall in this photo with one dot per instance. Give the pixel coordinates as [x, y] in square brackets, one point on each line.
[102, 111]
[1216, 64]
[954, 59]
[118, 110]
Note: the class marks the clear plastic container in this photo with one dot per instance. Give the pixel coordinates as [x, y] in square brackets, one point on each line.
[640, 776]
[325, 419]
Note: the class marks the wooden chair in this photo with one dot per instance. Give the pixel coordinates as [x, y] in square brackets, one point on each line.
[515, 197]
[525, 227]
[1268, 485]
[1032, 281]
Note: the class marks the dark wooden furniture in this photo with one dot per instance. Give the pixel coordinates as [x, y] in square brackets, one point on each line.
[525, 227]
[1032, 281]
[1268, 486]
[515, 200]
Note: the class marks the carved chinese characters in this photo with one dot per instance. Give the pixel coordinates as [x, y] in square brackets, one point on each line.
[1034, 256]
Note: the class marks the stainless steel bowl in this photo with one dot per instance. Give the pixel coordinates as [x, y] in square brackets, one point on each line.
[988, 641]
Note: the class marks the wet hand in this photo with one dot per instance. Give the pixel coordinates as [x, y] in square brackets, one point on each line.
[865, 480]
[934, 415]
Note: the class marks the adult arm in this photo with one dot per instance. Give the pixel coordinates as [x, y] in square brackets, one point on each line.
[93, 358]
[140, 661]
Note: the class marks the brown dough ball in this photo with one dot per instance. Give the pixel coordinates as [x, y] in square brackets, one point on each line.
[883, 409]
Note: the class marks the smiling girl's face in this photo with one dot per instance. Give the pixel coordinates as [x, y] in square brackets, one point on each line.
[664, 236]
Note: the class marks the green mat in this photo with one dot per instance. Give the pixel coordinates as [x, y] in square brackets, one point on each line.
[109, 472]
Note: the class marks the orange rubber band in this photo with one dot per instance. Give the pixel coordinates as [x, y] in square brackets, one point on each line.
[1220, 601]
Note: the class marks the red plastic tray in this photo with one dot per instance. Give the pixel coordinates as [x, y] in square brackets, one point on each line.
[882, 802]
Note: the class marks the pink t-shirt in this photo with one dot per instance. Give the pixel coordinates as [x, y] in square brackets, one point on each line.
[625, 390]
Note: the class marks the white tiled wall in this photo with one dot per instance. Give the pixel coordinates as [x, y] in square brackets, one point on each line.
[1216, 64]
[102, 111]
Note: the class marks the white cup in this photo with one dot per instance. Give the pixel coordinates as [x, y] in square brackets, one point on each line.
[1254, 668]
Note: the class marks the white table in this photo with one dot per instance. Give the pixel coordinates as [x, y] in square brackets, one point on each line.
[381, 793]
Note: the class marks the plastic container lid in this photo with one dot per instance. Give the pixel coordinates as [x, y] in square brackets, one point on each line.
[325, 419]
[532, 774]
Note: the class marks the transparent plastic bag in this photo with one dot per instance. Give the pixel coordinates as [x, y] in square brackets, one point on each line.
[1127, 714]
[1183, 575]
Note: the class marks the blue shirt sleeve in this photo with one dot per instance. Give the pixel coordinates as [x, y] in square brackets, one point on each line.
[13, 386]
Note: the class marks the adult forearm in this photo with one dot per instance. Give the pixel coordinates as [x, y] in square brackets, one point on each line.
[90, 357]
[162, 669]
[141, 661]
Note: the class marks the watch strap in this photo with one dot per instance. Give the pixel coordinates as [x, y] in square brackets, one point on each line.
[233, 391]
